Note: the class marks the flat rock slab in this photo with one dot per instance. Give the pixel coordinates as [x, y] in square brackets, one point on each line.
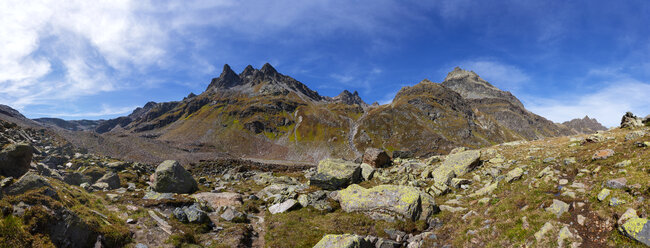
[456, 165]
[342, 241]
[603, 154]
[558, 208]
[216, 200]
[387, 202]
[284, 206]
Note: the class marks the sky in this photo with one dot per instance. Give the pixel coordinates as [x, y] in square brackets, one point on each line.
[101, 59]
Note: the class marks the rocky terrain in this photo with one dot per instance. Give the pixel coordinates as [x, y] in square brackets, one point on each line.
[584, 125]
[263, 114]
[587, 190]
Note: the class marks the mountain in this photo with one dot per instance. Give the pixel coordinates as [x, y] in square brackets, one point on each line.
[11, 115]
[74, 125]
[585, 125]
[261, 113]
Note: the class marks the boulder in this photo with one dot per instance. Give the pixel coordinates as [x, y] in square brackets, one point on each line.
[636, 228]
[171, 177]
[342, 241]
[231, 214]
[630, 121]
[377, 158]
[618, 183]
[387, 202]
[217, 200]
[367, 171]
[333, 174]
[284, 206]
[514, 175]
[112, 179]
[603, 154]
[15, 159]
[456, 165]
[27, 182]
[604, 193]
[558, 208]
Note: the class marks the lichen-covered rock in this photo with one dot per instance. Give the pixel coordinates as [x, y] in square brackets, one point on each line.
[377, 158]
[171, 177]
[342, 241]
[367, 172]
[558, 208]
[27, 182]
[603, 154]
[387, 202]
[514, 175]
[112, 179]
[15, 160]
[629, 120]
[637, 229]
[604, 193]
[456, 165]
[333, 174]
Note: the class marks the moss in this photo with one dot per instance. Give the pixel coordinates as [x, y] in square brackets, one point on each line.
[13, 234]
[180, 239]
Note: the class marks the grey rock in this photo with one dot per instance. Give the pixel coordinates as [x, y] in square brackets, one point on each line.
[15, 159]
[342, 241]
[367, 172]
[558, 208]
[618, 183]
[284, 206]
[27, 182]
[230, 214]
[180, 215]
[377, 158]
[110, 178]
[195, 214]
[333, 174]
[171, 177]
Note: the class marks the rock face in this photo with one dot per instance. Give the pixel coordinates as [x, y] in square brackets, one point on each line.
[15, 159]
[171, 177]
[585, 125]
[333, 174]
[629, 120]
[377, 158]
[388, 202]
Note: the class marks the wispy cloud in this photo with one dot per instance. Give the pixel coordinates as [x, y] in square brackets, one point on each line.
[504, 76]
[105, 110]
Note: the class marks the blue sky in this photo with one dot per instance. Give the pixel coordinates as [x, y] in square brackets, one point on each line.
[101, 59]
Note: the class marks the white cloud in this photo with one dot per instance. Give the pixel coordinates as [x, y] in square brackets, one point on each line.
[106, 110]
[503, 76]
[607, 104]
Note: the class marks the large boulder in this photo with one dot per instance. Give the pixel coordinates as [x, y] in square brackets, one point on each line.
[456, 165]
[171, 177]
[388, 202]
[630, 121]
[343, 241]
[333, 174]
[111, 179]
[27, 182]
[636, 228]
[15, 159]
[376, 158]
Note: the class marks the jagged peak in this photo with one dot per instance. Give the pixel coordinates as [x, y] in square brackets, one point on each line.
[228, 73]
[350, 98]
[460, 74]
[249, 70]
[267, 69]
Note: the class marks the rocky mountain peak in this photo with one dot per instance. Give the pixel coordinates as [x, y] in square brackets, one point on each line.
[268, 70]
[248, 71]
[470, 86]
[227, 79]
[585, 125]
[350, 98]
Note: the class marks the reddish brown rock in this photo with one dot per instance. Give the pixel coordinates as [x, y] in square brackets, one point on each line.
[216, 200]
[603, 154]
[376, 158]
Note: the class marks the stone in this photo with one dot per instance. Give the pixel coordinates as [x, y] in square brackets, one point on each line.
[629, 120]
[488, 189]
[333, 174]
[634, 135]
[569, 161]
[377, 158]
[514, 175]
[284, 206]
[29, 181]
[171, 177]
[15, 159]
[116, 166]
[615, 202]
[581, 220]
[388, 202]
[452, 209]
[564, 234]
[558, 208]
[623, 163]
[367, 172]
[113, 197]
[637, 229]
[112, 179]
[342, 241]
[217, 200]
[458, 182]
[549, 160]
[152, 195]
[195, 214]
[604, 193]
[180, 215]
[563, 182]
[131, 221]
[231, 214]
[602, 154]
[618, 183]
[539, 235]
[629, 213]
[456, 165]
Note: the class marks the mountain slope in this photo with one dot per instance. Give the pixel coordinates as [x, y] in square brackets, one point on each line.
[585, 125]
[261, 113]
